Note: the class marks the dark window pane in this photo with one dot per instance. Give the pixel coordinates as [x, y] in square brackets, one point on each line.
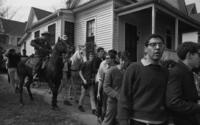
[37, 34]
[52, 31]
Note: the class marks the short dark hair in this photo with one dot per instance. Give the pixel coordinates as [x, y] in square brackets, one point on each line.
[112, 53]
[99, 49]
[124, 55]
[186, 47]
[153, 36]
[91, 53]
[11, 50]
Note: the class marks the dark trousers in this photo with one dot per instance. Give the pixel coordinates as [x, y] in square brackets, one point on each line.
[111, 112]
[101, 105]
[133, 122]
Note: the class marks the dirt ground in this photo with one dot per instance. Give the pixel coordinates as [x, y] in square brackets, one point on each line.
[33, 113]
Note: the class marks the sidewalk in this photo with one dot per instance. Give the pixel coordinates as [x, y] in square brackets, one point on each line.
[86, 118]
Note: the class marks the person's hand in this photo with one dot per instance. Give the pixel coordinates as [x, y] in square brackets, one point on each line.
[84, 82]
[98, 95]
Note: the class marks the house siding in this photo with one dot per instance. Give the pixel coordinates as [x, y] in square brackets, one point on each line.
[116, 38]
[103, 15]
[191, 36]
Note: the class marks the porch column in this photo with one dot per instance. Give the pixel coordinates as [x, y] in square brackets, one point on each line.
[153, 19]
[176, 33]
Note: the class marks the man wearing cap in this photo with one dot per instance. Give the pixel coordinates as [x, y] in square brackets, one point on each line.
[42, 48]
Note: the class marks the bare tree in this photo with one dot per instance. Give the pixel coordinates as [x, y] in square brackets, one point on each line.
[5, 11]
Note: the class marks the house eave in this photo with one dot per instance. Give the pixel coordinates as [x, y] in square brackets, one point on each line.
[180, 14]
[58, 13]
[159, 4]
[88, 5]
[52, 16]
[134, 5]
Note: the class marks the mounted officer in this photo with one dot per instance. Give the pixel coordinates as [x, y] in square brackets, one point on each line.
[42, 48]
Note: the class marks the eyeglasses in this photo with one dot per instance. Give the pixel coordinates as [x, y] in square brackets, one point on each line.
[155, 44]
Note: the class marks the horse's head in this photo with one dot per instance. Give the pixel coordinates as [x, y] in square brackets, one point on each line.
[82, 53]
[78, 57]
[63, 47]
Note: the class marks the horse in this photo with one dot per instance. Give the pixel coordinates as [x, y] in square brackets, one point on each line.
[52, 72]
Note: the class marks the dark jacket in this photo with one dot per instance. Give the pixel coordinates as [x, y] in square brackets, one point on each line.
[95, 64]
[13, 60]
[182, 96]
[42, 46]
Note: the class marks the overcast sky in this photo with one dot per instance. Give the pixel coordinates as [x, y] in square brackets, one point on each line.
[23, 7]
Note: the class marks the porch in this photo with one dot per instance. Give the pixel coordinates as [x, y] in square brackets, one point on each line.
[135, 23]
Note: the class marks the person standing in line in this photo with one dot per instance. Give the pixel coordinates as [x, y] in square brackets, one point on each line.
[13, 60]
[24, 56]
[142, 96]
[95, 66]
[111, 87]
[182, 96]
[103, 68]
[98, 59]
[87, 76]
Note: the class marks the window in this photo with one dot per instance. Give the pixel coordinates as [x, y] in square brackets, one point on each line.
[4, 38]
[18, 39]
[90, 28]
[37, 34]
[52, 31]
[90, 36]
[69, 31]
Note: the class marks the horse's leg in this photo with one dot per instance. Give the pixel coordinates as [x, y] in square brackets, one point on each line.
[55, 94]
[21, 90]
[28, 89]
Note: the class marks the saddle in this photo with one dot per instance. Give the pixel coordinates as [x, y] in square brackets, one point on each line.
[33, 61]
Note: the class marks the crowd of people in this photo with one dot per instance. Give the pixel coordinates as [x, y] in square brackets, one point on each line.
[146, 92]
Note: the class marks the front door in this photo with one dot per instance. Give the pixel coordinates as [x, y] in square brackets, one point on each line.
[131, 41]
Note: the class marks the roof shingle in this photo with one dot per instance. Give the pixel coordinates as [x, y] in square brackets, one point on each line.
[13, 27]
[41, 13]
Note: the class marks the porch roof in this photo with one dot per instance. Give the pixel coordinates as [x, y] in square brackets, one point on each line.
[175, 12]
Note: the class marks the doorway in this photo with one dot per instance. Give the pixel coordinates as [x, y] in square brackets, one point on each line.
[131, 41]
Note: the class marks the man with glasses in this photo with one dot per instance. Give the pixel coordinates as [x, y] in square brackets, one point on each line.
[182, 94]
[142, 97]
